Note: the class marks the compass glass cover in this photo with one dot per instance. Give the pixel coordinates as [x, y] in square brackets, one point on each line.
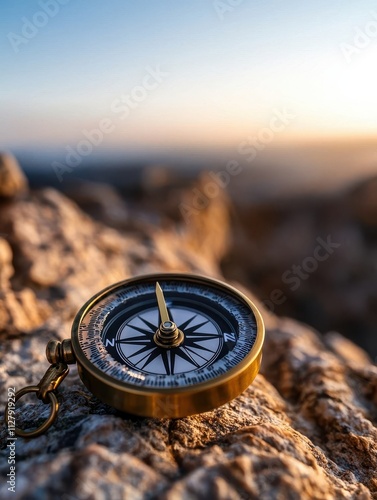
[116, 333]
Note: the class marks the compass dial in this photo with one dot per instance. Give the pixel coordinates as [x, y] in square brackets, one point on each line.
[166, 333]
[134, 345]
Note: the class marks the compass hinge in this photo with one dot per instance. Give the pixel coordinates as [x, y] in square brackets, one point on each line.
[60, 352]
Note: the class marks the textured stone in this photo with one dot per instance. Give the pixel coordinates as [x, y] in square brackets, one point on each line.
[12, 179]
[306, 427]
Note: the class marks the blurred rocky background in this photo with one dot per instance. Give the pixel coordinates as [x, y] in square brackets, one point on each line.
[278, 216]
[306, 427]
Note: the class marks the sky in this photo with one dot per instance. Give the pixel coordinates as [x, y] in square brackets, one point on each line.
[171, 74]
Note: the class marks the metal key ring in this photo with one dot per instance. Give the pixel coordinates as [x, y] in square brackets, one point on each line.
[50, 420]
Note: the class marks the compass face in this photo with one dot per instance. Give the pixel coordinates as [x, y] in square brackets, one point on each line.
[117, 332]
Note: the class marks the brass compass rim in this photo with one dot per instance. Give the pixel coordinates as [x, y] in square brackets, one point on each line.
[169, 402]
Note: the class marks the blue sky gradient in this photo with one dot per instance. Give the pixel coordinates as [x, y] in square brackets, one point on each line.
[225, 76]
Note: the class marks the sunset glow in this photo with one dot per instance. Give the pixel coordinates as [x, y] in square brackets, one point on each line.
[222, 73]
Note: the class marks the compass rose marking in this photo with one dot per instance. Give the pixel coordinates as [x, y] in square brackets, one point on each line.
[189, 349]
[141, 351]
[181, 352]
[133, 340]
[172, 361]
[193, 344]
[186, 323]
[193, 329]
[205, 336]
[152, 356]
[141, 330]
[164, 356]
[148, 323]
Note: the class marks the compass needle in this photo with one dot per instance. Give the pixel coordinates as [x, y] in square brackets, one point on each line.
[162, 304]
[168, 335]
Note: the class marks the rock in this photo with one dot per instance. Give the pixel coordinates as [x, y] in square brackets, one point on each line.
[214, 213]
[101, 201]
[6, 268]
[272, 240]
[20, 311]
[12, 179]
[306, 427]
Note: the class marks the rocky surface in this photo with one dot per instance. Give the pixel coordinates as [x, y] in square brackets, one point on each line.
[306, 427]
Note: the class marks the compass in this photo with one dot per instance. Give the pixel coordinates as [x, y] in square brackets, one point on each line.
[160, 345]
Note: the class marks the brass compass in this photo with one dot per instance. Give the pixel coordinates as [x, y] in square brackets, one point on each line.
[159, 345]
